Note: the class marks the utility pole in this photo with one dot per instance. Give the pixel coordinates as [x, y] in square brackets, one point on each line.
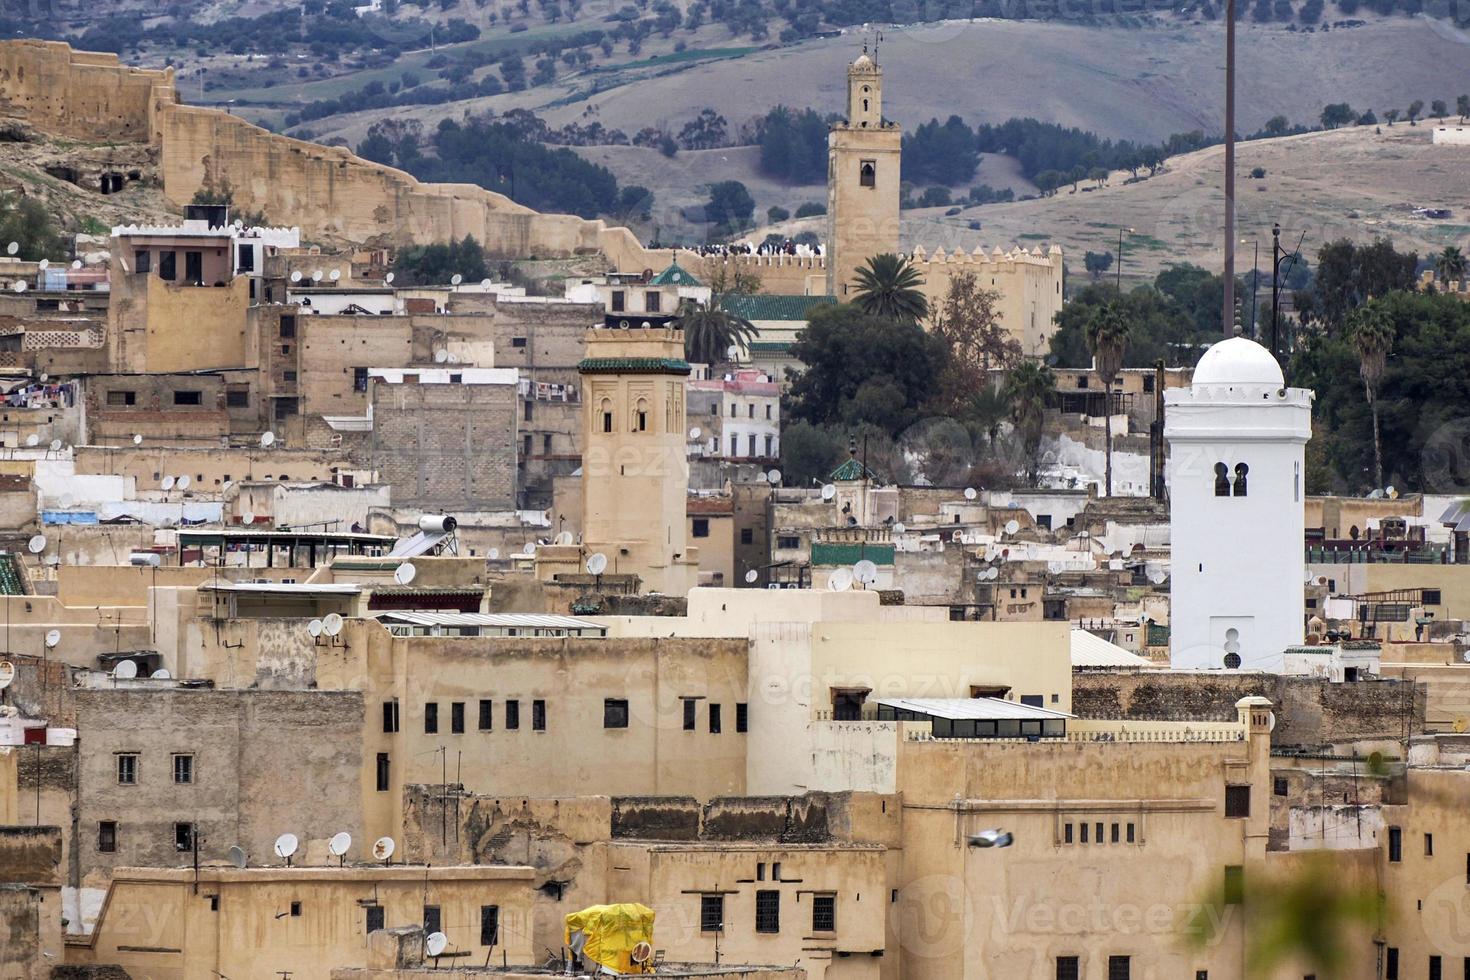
[1275, 286]
[1227, 315]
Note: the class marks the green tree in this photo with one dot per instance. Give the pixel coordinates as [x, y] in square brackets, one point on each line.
[730, 208]
[1337, 114]
[1371, 334]
[1347, 275]
[1462, 106]
[27, 222]
[889, 286]
[1028, 390]
[1107, 339]
[809, 452]
[1415, 107]
[710, 331]
[966, 321]
[1438, 109]
[436, 264]
[1097, 263]
[776, 214]
[1391, 115]
[1450, 264]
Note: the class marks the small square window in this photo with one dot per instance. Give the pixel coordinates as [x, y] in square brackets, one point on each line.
[107, 836]
[432, 920]
[518, 341]
[747, 535]
[712, 913]
[1279, 786]
[700, 527]
[374, 918]
[127, 769]
[824, 913]
[183, 769]
[1237, 801]
[296, 910]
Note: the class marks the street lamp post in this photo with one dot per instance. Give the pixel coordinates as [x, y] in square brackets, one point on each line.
[1255, 281]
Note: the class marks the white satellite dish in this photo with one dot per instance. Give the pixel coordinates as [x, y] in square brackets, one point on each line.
[55, 445]
[437, 941]
[19, 286]
[167, 484]
[774, 477]
[565, 538]
[137, 438]
[388, 277]
[1012, 526]
[161, 675]
[238, 857]
[485, 283]
[314, 628]
[440, 356]
[12, 248]
[899, 528]
[331, 624]
[267, 438]
[529, 548]
[597, 563]
[732, 352]
[865, 572]
[36, 544]
[1157, 578]
[247, 518]
[828, 491]
[316, 275]
[32, 441]
[43, 264]
[44, 377]
[383, 848]
[493, 554]
[76, 264]
[125, 670]
[7, 674]
[970, 493]
[285, 846]
[339, 843]
[694, 433]
[404, 573]
[182, 482]
[456, 279]
[53, 637]
[295, 275]
[751, 576]
[335, 275]
[840, 580]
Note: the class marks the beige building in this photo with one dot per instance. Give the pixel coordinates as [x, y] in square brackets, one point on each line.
[862, 179]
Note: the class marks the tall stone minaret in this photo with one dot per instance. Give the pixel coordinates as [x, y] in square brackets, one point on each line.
[862, 178]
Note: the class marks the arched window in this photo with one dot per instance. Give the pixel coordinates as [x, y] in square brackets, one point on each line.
[640, 416]
[607, 415]
[1222, 480]
[1240, 471]
[868, 174]
[1232, 649]
[865, 105]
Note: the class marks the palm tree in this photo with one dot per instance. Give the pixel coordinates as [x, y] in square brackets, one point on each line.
[1450, 264]
[710, 331]
[889, 286]
[1028, 389]
[1107, 338]
[1372, 338]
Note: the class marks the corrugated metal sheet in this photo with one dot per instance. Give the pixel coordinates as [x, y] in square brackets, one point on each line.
[976, 709]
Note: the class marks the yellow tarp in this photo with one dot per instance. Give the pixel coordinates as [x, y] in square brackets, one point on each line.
[611, 932]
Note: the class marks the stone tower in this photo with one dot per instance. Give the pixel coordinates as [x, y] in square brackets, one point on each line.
[635, 474]
[1237, 438]
[862, 178]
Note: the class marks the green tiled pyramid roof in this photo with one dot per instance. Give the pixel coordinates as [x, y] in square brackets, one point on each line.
[851, 470]
[675, 275]
[774, 307]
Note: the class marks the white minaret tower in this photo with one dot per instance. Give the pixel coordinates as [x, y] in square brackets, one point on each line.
[1237, 439]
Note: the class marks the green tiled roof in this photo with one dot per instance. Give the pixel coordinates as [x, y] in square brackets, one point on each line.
[769, 346]
[640, 365]
[851, 470]
[675, 275]
[836, 553]
[770, 307]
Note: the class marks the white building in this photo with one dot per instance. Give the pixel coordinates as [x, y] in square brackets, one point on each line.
[1236, 445]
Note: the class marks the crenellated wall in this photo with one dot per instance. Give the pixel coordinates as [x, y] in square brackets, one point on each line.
[1029, 286]
[81, 94]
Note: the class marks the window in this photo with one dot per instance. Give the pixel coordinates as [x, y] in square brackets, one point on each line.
[512, 715]
[1430, 597]
[183, 769]
[651, 301]
[1279, 786]
[1099, 838]
[390, 717]
[1129, 836]
[1114, 837]
[288, 326]
[374, 918]
[767, 910]
[432, 920]
[107, 836]
[237, 397]
[487, 714]
[714, 719]
[868, 173]
[183, 837]
[742, 724]
[168, 266]
[526, 411]
[712, 913]
[1395, 844]
[296, 909]
[359, 379]
[1082, 381]
[456, 717]
[1240, 471]
[1083, 835]
[431, 718]
[619, 301]
[747, 535]
[142, 261]
[546, 444]
[788, 541]
[1391, 963]
[187, 398]
[848, 705]
[1119, 968]
[642, 417]
[127, 769]
[382, 772]
[770, 447]
[1068, 968]
[701, 527]
[1066, 833]
[1429, 845]
[691, 706]
[119, 398]
[538, 715]
[1234, 884]
[1148, 384]
[1436, 970]
[289, 377]
[1222, 480]
[194, 267]
[489, 925]
[615, 713]
[518, 342]
[824, 913]
[1237, 801]
[606, 421]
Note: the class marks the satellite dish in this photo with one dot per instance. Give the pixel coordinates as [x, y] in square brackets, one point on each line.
[267, 438]
[899, 528]
[970, 493]
[694, 433]
[642, 952]
[125, 670]
[331, 624]
[55, 445]
[751, 576]
[167, 484]
[36, 544]
[32, 441]
[774, 477]
[840, 580]
[161, 675]
[404, 573]
[1309, 577]
[440, 356]
[865, 572]
[1012, 526]
[1392, 492]
[247, 518]
[43, 264]
[76, 264]
[493, 554]
[335, 275]
[529, 548]
[388, 277]
[1157, 578]
[456, 279]
[137, 438]
[732, 352]
[7, 674]
[238, 857]
[19, 286]
[437, 941]
[565, 538]
[285, 846]
[314, 628]
[295, 275]
[485, 283]
[339, 843]
[53, 637]
[12, 248]
[383, 848]
[316, 275]
[597, 563]
[828, 491]
[182, 482]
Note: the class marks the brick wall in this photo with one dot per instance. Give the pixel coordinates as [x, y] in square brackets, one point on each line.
[446, 446]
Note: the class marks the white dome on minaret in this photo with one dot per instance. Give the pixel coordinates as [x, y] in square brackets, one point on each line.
[1238, 361]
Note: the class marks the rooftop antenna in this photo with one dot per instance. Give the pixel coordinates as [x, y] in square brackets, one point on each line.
[774, 478]
[970, 493]
[267, 439]
[565, 538]
[167, 484]
[436, 944]
[441, 356]
[314, 628]
[493, 554]
[36, 544]
[335, 275]
[383, 849]
[865, 572]
[285, 846]
[238, 857]
[899, 528]
[597, 563]
[316, 275]
[12, 248]
[338, 846]
[840, 580]
[161, 674]
[388, 278]
[125, 670]
[44, 264]
[1012, 526]
[485, 284]
[404, 574]
[32, 441]
[332, 624]
[247, 518]
[182, 482]
[19, 286]
[137, 438]
[295, 275]
[828, 491]
[456, 279]
[751, 576]
[53, 637]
